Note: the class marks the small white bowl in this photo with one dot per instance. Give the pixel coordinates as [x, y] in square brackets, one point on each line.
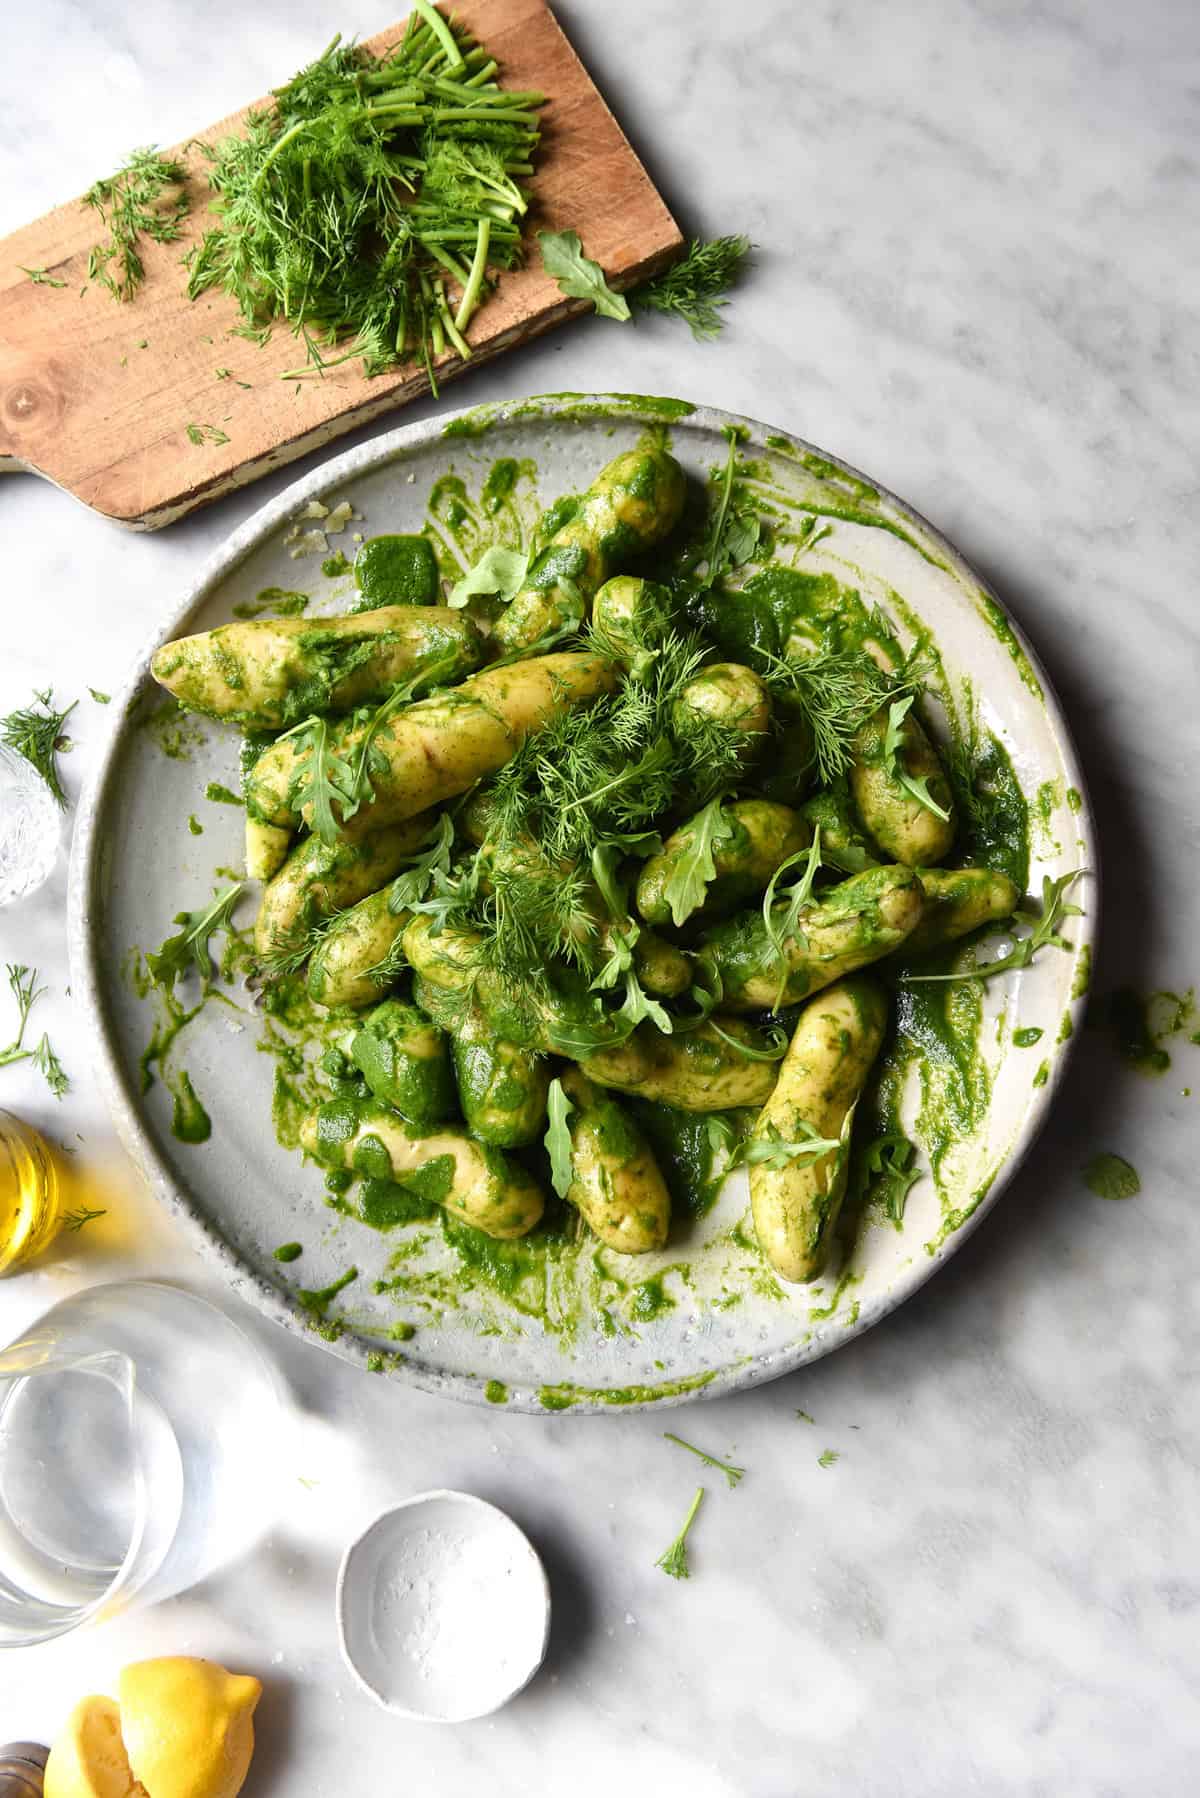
[443, 1608]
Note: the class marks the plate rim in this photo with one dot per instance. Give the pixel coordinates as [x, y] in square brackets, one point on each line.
[86, 870]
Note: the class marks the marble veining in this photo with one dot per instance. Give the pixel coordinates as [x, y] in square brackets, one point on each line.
[977, 282]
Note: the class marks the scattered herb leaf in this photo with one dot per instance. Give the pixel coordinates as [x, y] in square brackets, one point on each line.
[696, 288]
[189, 947]
[199, 434]
[917, 786]
[321, 777]
[40, 278]
[76, 1220]
[773, 1151]
[577, 275]
[132, 205]
[36, 732]
[1111, 1177]
[1045, 931]
[694, 866]
[558, 1138]
[23, 985]
[888, 1173]
[674, 1560]
[499, 571]
[793, 901]
[732, 1474]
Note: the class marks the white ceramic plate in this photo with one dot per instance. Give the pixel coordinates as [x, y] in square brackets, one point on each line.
[241, 1195]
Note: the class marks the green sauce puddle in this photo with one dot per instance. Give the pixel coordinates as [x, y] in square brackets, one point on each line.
[1111, 1177]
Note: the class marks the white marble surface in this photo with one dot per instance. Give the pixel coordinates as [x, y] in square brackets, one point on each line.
[977, 280]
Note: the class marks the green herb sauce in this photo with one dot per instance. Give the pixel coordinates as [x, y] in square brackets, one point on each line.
[189, 1121]
[996, 617]
[195, 826]
[317, 1302]
[1083, 973]
[276, 601]
[289, 1251]
[175, 732]
[496, 1392]
[1135, 1040]
[482, 418]
[221, 795]
[1111, 1177]
[1025, 1039]
[561, 1397]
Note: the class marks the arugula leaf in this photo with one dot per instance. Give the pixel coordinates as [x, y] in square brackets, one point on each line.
[794, 901]
[1045, 932]
[733, 1475]
[577, 275]
[639, 1007]
[694, 866]
[558, 1138]
[777, 1044]
[773, 1151]
[361, 790]
[189, 947]
[673, 1560]
[917, 786]
[733, 536]
[499, 573]
[36, 732]
[409, 888]
[620, 958]
[889, 1173]
[321, 777]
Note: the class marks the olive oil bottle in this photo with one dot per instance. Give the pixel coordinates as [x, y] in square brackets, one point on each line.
[31, 1193]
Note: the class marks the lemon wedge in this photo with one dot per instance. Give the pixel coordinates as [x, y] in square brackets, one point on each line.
[188, 1727]
[88, 1760]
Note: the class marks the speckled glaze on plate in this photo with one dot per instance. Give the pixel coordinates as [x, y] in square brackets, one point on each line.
[135, 863]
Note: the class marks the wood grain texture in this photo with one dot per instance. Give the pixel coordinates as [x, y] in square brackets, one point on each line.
[84, 405]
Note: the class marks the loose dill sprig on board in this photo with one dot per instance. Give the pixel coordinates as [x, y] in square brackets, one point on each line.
[134, 203]
[367, 208]
[697, 287]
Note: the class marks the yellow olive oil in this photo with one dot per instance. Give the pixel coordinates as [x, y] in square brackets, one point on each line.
[31, 1193]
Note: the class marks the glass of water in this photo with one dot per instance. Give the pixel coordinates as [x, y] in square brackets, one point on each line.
[143, 1436]
[30, 827]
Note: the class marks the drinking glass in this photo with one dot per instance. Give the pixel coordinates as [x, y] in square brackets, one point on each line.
[143, 1436]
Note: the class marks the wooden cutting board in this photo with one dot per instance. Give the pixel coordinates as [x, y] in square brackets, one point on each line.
[85, 405]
